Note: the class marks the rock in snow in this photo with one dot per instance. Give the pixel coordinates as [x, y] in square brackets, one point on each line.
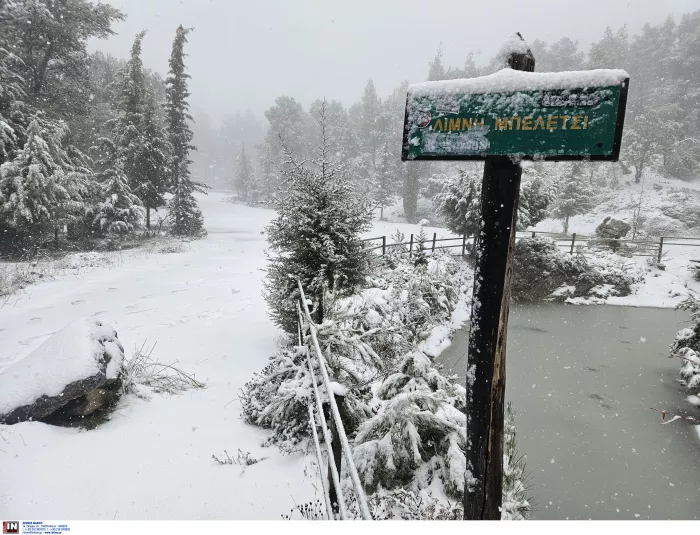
[77, 364]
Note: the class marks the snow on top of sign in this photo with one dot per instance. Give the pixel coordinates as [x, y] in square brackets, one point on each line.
[515, 44]
[509, 81]
[71, 354]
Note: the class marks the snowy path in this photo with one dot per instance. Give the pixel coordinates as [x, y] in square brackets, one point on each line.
[204, 308]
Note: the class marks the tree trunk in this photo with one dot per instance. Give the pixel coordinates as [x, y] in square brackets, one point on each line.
[148, 218]
[381, 213]
[638, 173]
[566, 225]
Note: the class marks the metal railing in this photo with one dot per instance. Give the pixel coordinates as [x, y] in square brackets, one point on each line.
[334, 464]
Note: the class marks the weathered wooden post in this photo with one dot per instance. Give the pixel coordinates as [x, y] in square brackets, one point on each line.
[383, 245]
[434, 239]
[573, 242]
[661, 248]
[410, 246]
[503, 118]
[500, 192]
[464, 244]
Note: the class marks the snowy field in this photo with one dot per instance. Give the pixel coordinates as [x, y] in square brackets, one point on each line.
[204, 309]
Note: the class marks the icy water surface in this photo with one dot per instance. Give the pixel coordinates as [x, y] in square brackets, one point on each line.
[582, 380]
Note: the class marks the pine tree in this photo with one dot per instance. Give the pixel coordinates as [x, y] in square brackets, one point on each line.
[535, 200]
[315, 237]
[186, 215]
[575, 197]
[244, 175]
[153, 161]
[120, 213]
[131, 101]
[385, 189]
[12, 119]
[459, 204]
[419, 257]
[40, 189]
[436, 70]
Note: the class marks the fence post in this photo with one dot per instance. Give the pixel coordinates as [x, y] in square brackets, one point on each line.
[533, 233]
[337, 452]
[573, 241]
[464, 244]
[661, 247]
[434, 238]
[383, 245]
[410, 246]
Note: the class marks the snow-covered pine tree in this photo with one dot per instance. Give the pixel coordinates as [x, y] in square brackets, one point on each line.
[576, 196]
[459, 203]
[127, 127]
[245, 177]
[535, 199]
[186, 216]
[12, 120]
[153, 160]
[39, 188]
[419, 257]
[120, 212]
[316, 235]
[385, 188]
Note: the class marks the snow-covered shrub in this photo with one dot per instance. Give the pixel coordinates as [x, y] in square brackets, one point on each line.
[686, 346]
[540, 268]
[418, 433]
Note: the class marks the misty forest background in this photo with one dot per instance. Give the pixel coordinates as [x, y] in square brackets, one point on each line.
[92, 146]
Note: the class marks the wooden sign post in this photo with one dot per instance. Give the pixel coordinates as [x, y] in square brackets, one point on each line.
[502, 119]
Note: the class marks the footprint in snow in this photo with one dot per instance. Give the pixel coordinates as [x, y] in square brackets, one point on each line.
[28, 341]
[176, 291]
[33, 320]
[99, 312]
[112, 289]
[77, 302]
[597, 397]
[591, 369]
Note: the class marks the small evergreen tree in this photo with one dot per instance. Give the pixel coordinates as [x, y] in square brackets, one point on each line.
[186, 215]
[575, 197]
[459, 204]
[385, 189]
[315, 236]
[244, 175]
[120, 213]
[535, 199]
[419, 257]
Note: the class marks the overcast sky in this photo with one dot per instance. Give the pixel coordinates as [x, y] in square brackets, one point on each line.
[244, 53]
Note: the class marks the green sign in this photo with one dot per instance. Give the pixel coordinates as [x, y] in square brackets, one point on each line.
[542, 116]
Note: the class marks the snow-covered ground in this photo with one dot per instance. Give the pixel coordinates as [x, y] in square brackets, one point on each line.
[204, 309]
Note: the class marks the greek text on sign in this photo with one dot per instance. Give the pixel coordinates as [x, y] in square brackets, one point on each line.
[547, 116]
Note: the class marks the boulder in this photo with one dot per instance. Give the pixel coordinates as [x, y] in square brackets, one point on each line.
[75, 373]
[612, 229]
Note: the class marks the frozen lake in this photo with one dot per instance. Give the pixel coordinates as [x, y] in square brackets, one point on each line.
[582, 380]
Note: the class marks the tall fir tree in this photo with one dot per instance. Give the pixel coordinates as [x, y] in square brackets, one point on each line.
[186, 216]
[153, 160]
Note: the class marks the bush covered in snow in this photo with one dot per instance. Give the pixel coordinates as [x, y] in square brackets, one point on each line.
[686, 346]
[542, 271]
[405, 420]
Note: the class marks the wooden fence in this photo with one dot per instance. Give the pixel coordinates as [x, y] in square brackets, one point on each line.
[569, 242]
